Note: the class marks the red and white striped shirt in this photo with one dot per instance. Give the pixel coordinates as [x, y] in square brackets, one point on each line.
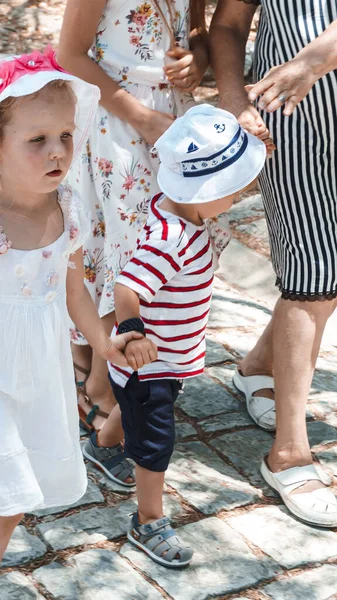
[172, 272]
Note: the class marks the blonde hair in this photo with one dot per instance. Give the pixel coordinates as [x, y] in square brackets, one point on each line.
[6, 106]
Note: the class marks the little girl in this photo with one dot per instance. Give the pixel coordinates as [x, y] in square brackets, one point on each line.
[42, 228]
[146, 57]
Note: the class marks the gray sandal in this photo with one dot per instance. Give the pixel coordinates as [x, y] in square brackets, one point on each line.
[160, 542]
[111, 461]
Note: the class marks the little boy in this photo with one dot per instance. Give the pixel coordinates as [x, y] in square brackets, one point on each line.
[164, 292]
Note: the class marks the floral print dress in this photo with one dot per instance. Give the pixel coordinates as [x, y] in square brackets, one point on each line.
[117, 175]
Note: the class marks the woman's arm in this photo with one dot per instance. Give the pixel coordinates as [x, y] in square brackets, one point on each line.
[81, 19]
[83, 313]
[227, 40]
[292, 81]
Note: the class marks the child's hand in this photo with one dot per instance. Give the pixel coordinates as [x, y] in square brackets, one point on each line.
[116, 348]
[140, 352]
[185, 72]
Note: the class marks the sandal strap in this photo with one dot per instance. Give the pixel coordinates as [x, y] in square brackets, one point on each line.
[297, 476]
[253, 383]
[92, 414]
[82, 391]
[154, 527]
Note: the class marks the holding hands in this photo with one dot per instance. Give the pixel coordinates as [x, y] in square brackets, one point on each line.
[130, 349]
[140, 352]
[251, 120]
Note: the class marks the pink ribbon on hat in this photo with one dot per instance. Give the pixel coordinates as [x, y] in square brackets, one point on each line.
[11, 70]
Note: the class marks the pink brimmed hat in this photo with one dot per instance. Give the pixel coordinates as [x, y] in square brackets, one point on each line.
[29, 73]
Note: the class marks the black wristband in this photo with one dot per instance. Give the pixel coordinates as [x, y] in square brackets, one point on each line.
[131, 325]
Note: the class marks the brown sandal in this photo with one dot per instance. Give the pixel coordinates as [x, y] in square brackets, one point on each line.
[86, 420]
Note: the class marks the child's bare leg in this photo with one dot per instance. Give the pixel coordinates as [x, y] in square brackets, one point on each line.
[112, 432]
[7, 526]
[149, 494]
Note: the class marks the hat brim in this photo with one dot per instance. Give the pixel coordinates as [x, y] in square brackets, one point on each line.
[87, 96]
[207, 188]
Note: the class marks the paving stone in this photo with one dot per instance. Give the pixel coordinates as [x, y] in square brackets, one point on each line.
[251, 206]
[96, 524]
[224, 373]
[257, 230]
[321, 433]
[93, 494]
[226, 421]
[95, 574]
[230, 308]
[286, 540]
[22, 548]
[311, 585]
[324, 383]
[203, 397]
[328, 458]
[222, 563]
[246, 449]
[323, 407]
[239, 341]
[216, 353]
[205, 481]
[249, 271]
[15, 586]
[184, 430]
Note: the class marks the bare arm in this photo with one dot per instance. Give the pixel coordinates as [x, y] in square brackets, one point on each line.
[227, 40]
[138, 352]
[83, 313]
[228, 37]
[126, 303]
[79, 27]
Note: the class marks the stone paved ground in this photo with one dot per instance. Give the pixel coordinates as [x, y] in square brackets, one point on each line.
[246, 544]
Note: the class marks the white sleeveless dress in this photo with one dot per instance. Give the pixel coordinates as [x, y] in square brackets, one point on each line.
[41, 464]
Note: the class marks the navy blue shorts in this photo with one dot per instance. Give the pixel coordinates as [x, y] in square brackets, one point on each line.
[147, 409]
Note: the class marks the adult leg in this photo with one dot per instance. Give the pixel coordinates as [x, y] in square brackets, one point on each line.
[297, 333]
[7, 526]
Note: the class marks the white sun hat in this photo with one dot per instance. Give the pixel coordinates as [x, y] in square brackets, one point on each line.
[206, 155]
[29, 73]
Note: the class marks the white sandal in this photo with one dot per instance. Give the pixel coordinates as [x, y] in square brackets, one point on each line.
[261, 409]
[318, 507]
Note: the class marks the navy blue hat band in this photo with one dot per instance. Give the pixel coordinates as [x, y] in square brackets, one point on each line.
[219, 161]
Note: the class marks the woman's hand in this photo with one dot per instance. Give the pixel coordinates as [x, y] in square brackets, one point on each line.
[151, 124]
[285, 85]
[251, 120]
[185, 72]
